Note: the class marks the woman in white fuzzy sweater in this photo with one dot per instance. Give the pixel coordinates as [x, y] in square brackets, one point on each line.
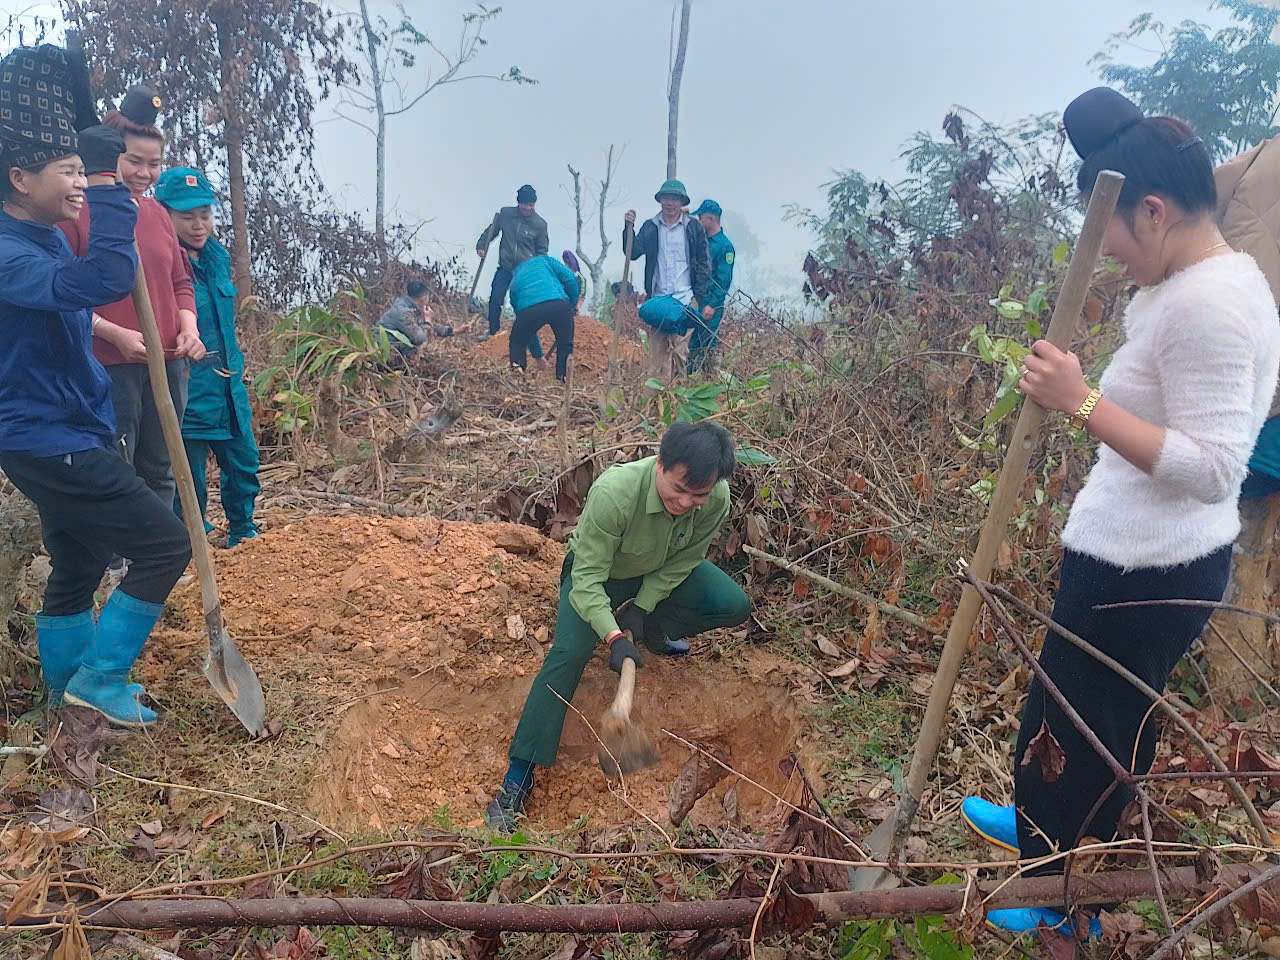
[1177, 414]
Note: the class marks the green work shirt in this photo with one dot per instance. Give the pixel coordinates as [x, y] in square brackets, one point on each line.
[625, 531]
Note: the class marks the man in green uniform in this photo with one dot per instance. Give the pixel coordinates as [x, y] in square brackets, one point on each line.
[218, 417]
[642, 537]
[705, 340]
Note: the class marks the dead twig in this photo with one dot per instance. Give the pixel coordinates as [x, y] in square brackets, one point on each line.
[1170, 946]
[889, 609]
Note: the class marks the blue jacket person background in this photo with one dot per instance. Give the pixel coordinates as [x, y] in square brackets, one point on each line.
[642, 537]
[57, 427]
[218, 418]
[705, 337]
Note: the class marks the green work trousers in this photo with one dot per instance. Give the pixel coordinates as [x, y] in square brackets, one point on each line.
[707, 599]
[238, 465]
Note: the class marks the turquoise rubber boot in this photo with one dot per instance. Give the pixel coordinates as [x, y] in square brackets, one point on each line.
[62, 642]
[1030, 919]
[101, 682]
[994, 824]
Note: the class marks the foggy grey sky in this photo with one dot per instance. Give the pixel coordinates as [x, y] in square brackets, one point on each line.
[775, 97]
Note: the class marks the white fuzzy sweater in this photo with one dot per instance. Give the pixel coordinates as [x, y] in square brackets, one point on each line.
[1200, 359]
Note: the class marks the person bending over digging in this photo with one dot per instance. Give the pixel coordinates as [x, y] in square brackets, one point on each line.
[218, 417]
[642, 537]
[1177, 413]
[57, 432]
[544, 292]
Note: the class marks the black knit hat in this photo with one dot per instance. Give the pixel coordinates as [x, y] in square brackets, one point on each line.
[37, 108]
[140, 104]
[526, 194]
[1097, 117]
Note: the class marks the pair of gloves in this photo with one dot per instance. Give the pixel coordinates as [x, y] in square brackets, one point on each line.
[100, 149]
[635, 624]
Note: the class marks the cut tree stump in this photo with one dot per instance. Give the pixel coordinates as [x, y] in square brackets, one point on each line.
[1255, 585]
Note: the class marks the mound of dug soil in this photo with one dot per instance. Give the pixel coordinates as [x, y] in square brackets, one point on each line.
[591, 340]
[419, 640]
[369, 595]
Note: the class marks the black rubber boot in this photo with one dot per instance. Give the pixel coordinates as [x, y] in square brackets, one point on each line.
[666, 647]
[506, 807]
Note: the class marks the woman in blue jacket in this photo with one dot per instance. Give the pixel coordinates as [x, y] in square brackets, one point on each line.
[543, 292]
[56, 423]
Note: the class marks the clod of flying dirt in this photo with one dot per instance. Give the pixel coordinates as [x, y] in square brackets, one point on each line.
[696, 777]
[513, 537]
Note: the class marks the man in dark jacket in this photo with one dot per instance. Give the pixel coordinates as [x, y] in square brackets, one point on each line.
[703, 343]
[409, 316]
[677, 278]
[524, 236]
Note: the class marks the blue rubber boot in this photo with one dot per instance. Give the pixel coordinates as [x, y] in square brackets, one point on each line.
[62, 642]
[101, 682]
[1030, 919]
[994, 824]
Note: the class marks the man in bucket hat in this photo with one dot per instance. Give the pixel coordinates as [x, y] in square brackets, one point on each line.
[218, 417]
[677, 278]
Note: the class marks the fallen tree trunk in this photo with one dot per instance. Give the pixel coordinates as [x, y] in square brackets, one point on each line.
[830, 908]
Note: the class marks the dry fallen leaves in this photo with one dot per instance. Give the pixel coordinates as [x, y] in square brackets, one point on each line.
[1045, 748]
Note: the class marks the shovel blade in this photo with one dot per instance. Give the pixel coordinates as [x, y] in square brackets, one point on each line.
[877, 847]
[235, 681]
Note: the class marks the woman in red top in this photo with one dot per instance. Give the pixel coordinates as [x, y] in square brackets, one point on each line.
[117, 339]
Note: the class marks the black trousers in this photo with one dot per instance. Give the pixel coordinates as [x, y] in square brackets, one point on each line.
[559, 314]
[498, 296]
[1149, 640]
[93, 505]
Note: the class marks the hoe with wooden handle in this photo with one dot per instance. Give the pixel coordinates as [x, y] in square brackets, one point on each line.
[624, 746]
[887, 840]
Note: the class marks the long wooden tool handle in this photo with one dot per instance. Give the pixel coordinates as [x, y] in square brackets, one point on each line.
[1066, 315]
[626, 689]
[200, 551]
[475, 281]
[628, 238]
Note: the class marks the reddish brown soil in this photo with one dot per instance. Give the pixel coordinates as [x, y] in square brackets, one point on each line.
[591, 340]
[352, 605]
[401, 757]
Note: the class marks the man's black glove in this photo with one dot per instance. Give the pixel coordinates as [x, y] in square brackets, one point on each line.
[621, 649]
[632, 620]
[100, 149]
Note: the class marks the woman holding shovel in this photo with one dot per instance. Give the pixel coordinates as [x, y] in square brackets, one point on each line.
[117, 335]
[1177, 413]
[57, 431]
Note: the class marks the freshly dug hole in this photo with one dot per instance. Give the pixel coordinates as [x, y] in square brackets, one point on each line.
[400, 757]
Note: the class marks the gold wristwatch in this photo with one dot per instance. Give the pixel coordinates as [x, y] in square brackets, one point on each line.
[1082, 415]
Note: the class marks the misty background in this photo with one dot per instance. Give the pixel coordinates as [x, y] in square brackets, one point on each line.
[775, 98]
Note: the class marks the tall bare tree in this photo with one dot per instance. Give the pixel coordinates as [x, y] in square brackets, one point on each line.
[674, 77]
[595, 267]
[240, 80]
[391, 81]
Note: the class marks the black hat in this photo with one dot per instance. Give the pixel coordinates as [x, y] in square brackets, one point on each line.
[526, 194]
[1097, 117]
[141, 105]
[37, 108]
